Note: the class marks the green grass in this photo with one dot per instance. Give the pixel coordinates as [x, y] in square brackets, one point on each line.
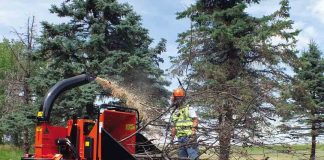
[289, 152]
[276, 152]
[293, 152]
[8, 152]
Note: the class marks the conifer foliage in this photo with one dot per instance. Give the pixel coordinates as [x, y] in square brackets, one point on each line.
[232, 61]
[308, 93]
[101, 37]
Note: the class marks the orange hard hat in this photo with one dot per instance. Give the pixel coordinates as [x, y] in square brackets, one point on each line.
[179, 92]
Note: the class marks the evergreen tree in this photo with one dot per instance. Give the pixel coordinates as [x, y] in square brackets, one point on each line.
[308, 93]
[6, 64]
[101, 37]
[16, 100]
[16, 103]
[233, 65]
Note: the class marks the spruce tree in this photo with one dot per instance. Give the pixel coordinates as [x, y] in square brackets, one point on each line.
[15, 98]
[308, 93]
[100, 37]
[6, 65]
[233, 66]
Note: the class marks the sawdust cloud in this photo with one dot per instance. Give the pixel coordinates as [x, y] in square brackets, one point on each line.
[120, 92]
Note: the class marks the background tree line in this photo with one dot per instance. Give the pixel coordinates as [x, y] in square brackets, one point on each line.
[234, 71]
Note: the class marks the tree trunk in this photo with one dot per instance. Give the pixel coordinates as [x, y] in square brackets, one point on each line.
[15, 139]
[1, 138]
[26, 142]
[313, 134]
[225, 134]
[25, 136]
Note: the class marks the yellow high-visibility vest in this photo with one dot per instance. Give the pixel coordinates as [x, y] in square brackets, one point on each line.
[183, 123]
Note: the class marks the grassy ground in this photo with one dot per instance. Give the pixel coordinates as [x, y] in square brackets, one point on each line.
[8, 152]
[295, 152]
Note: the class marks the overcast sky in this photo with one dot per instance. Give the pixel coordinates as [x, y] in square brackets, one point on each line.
[159, 17]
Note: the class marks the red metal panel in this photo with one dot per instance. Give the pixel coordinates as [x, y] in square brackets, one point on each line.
[118, 124]
[82, 135]
[121, 125]
[45, 139]
[93, 134]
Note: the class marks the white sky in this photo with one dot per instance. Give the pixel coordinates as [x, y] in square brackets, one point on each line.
[159, 17]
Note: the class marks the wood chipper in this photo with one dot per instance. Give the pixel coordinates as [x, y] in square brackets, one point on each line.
[110, 136]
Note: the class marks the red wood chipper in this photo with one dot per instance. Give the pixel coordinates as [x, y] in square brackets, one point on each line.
[88, 139]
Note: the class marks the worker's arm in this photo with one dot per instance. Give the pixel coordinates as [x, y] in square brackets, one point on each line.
[194, 125]
[193, 115]
[173, 133]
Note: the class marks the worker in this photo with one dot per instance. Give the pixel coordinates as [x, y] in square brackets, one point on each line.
[184, 126]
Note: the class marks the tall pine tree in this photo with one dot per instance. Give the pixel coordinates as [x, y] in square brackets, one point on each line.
[233, 65]
[101, 37]
[308, 93]
[15, 71]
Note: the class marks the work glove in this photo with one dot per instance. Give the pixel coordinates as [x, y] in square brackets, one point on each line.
[193, 137]
[171, 141]
[193, 140]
